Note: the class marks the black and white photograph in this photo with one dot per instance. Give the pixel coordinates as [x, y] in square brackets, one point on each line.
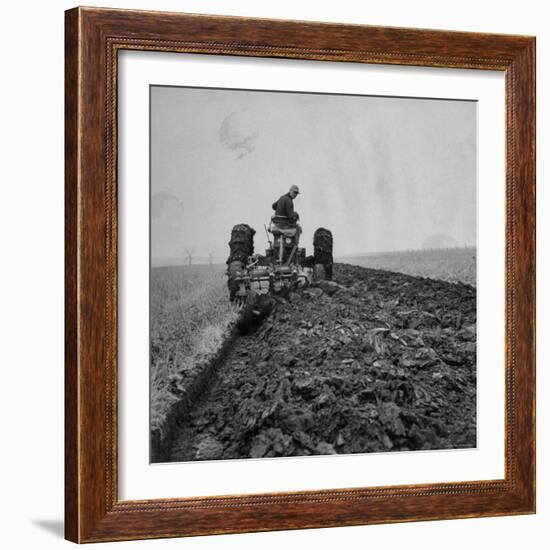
[312, 274]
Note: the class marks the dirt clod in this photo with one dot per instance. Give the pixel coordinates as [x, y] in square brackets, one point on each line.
[209, 449]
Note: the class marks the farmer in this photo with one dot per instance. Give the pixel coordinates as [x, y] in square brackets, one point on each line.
[284, 208]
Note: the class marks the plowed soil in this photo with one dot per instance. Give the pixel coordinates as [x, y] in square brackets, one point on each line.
[374, 362]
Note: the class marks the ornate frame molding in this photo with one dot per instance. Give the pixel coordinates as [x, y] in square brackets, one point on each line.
[93, 38]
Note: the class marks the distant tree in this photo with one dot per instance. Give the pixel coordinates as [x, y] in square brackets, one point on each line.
[189, 252]
[210, 259]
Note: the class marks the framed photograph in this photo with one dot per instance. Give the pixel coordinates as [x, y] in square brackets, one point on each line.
[300, 275]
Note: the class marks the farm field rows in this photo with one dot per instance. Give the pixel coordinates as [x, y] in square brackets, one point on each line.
[191, 311]
[377, 362]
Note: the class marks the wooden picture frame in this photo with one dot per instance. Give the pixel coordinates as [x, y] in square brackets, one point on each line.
[93, 511]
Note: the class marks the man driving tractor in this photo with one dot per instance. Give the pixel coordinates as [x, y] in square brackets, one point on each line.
[284, 205]
[284, 226]
[285, 216]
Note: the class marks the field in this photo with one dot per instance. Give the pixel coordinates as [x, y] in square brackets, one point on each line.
[190, 311]
[376, 361]
[452, 264]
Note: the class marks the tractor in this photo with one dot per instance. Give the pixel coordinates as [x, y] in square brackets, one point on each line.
[254, 278]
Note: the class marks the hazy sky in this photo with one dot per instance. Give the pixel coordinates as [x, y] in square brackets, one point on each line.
[381, 173]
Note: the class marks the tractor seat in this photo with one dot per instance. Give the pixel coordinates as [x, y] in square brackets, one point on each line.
[290, 232]
[281, 225]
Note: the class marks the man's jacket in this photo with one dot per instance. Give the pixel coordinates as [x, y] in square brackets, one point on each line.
[284, 206]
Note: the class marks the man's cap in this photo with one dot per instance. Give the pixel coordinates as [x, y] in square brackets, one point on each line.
[295, 189]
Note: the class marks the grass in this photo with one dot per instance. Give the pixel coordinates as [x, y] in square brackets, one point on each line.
[190, 313]
[450, 264]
